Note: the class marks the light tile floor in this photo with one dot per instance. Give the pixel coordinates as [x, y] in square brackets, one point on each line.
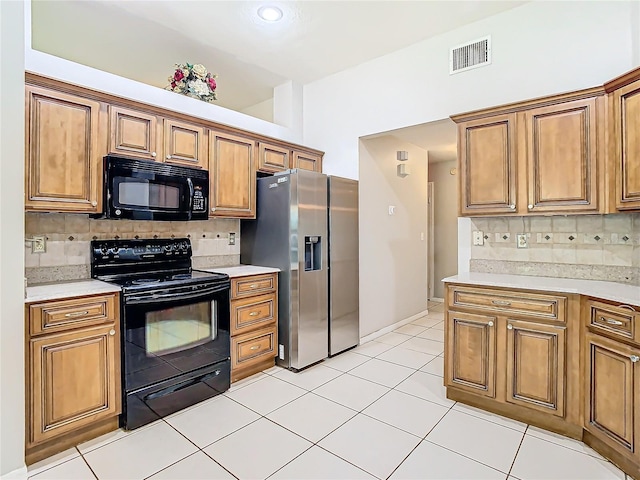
[377, 411]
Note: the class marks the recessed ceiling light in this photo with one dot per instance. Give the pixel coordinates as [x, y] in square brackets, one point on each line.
[270, 14]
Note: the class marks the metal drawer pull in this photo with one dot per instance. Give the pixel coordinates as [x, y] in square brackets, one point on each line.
[509, 327]
[634, 358]
[112, 332]
[253, 314]
[501, 302]
[253, 285]
[77, 314]
[610, 321]
[255, 347]
[628, 307]
[490, 324]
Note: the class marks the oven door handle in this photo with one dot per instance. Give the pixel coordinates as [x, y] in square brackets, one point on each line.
[154, 298]
[191, 194]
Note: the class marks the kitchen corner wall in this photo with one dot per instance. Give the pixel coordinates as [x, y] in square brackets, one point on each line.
[595, 247]
[69, 236]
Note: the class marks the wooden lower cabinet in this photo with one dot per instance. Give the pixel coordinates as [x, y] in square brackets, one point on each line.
[471, 346]
[254, 324]
[73, 376]
[612, 398]
[536, 366]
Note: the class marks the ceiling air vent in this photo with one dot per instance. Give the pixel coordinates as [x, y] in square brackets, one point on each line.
[470, 55]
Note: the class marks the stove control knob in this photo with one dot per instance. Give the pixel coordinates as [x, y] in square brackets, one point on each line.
[104, 250]
[169, 248]
[184, 246]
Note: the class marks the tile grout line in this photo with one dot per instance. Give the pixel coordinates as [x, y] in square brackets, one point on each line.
[524, 434]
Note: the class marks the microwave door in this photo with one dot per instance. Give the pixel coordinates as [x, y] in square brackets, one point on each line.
[144, 198]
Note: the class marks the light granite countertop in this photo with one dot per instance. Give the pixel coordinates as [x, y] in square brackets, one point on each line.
[242, 270]
[616, 292]
[74, 288]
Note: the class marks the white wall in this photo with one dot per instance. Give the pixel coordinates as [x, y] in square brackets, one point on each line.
[539, 48]
[262, 110]
[635, 32]
[287, 106]
[11, 237]
[393, 280]
[445, 223]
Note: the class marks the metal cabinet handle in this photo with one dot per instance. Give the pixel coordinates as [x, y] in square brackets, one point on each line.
[168, 157]
[610, 321]
[512, 206]
[77, 314]
[213, 209]
[112, 332]
[503, 303]
[94, 204]
[153, 154]
[253, 285]
[490, 323]
[634, 358]
[255, 347]
[509, 327]
[253, 314]
[530, 207]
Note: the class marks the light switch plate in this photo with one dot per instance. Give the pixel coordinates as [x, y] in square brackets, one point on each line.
[232, 238]
[522, 241]
[478, 237]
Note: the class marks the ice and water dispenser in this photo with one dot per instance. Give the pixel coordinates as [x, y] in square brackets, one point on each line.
[312, 253]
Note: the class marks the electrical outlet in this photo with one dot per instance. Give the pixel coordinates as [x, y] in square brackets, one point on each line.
[521, 240]
[232, 238]
[478, 237]
[38, 244]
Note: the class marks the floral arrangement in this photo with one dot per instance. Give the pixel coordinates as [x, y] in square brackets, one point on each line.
[194, 81]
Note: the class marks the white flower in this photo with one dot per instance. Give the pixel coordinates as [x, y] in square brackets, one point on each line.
[199, 88]
[199, 70]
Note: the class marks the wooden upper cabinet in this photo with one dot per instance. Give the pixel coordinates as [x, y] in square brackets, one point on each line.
[488, 174]
[536, 366]
[612, 407]
[232, 176]
[562, 157]
[626, 111]
[63, 168]
[74, 381]
[307, 161]
[185, 144]
[133, 133]
[272, 159]
[471, 357]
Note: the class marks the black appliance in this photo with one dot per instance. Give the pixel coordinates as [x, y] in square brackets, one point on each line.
[175, 326]
[146, 190]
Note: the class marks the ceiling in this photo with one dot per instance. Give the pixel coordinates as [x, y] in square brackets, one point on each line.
[142, 40]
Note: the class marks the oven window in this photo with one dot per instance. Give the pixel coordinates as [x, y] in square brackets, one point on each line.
[180, 328]
[142, 193]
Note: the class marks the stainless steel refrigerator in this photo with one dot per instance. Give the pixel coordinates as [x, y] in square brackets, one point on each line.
[318, 279]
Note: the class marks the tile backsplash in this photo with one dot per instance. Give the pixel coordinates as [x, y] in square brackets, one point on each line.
[597, 247]
[69, 236]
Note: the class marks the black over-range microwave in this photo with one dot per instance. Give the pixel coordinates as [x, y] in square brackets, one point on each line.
[147, 190]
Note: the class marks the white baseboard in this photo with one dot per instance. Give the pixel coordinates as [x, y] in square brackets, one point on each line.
[436, 299]
[392, 327]
[18, 474]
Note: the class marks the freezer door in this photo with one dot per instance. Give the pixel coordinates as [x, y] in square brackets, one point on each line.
[344, 326]
[309, 333]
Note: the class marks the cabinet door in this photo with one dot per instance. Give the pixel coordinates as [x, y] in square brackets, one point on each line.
[63, 161]
[612, 384]
[232, 176]
[536, 366]
[487, 149]
[562, 157]
[307, 161]
[272, 159]
[627, 138]
[185, 144]
[471, 347]
[74, 381]
[133, 133]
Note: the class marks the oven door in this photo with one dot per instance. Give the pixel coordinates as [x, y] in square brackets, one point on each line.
[170, 332]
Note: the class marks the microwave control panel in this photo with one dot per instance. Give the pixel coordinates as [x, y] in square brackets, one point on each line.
[198, 201]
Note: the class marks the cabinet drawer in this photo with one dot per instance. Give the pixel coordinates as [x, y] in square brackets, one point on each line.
[619, 321]
[253, 285]
[253, 347]
[56, 316]
[253, 312]
[530, 304]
